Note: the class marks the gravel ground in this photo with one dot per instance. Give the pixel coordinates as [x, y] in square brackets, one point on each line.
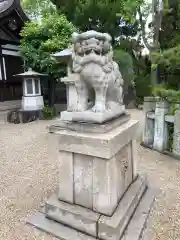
[28, 177]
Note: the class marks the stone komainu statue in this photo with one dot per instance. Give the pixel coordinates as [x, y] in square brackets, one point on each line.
[94, 69]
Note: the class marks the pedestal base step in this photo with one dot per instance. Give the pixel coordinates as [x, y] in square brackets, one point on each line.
[93, 117]
[134, 230]
[84, 127]
[71, 222]
[56, 229]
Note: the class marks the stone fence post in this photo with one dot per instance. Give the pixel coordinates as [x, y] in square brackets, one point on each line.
[148, 132]
[161, 128]
[176, 137]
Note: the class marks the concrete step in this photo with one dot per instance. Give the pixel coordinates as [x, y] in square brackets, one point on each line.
[71, 222]
[72, 215]
[138, 222]
[58, 230]
[134, 230]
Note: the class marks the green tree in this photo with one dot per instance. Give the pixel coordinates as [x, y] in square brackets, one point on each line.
[42, 38]
[168, 59]
[155, 9]
[118, 18]
[35, 9]
[115, 17]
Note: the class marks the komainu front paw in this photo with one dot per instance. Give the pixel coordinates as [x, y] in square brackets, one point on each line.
[99, 108]
[81, 108]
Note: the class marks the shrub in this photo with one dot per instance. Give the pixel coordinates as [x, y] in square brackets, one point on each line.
[169, 95]
[49, 113]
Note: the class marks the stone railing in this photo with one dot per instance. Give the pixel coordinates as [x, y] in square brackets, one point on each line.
[157, 119]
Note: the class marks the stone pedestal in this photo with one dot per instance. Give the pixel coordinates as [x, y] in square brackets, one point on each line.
[96, 169]
[32, 103]
[93, 117]
[99, 189]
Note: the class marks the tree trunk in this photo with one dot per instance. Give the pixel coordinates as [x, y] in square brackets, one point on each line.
[154, 72]
[157, 14]
[51, 92]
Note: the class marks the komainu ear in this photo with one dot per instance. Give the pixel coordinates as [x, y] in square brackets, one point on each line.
[107, 37]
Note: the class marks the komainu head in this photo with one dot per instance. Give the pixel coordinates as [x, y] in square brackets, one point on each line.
[91, 42]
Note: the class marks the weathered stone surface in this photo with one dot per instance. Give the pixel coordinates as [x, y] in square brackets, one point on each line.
[66, 183]
[74, 216]
[134, 159]
[176, 137]
[60, 231]
[160, 130]
[94, 71]
[151, 115]
[71, 92]
[105, 194]
[81, 218]
[96, 183]
[83, 180]
[98, 145]
[89, 127]
[111, 179]
[148, 133]
[112, 228]
[170, 118]
[148, 109]
[150, 103]
[94, 117]
[136, 226]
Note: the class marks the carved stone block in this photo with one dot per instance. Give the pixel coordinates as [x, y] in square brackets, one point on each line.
[96, 77]
[96, 169]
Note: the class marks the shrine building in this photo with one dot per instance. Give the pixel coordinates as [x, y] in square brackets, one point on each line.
[12, 19]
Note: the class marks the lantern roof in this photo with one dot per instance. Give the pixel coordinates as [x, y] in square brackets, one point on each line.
[30, 73]
[63, 55]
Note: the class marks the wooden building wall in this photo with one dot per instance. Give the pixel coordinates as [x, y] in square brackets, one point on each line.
[10, 64]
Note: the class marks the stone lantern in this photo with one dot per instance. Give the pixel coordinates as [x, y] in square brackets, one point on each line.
[32, 99]
[69, 80]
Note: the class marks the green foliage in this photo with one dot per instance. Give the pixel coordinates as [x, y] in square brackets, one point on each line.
[169, 95]
[143, 88]
[168, 58]
[42, 38]
[49, 113]
[125, 63]
[115, 17]
[35, 9]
